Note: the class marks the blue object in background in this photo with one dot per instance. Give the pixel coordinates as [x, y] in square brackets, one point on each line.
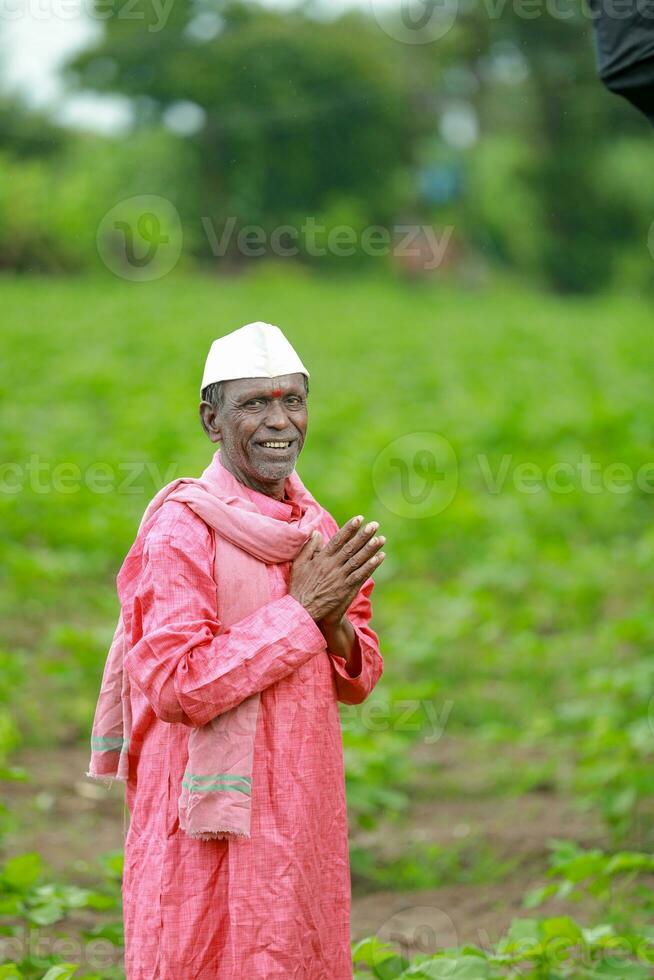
[440, 183]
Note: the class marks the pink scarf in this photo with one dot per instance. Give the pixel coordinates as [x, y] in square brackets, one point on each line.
[215, 796]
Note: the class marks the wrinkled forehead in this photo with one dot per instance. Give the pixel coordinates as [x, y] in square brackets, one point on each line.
[285, 384]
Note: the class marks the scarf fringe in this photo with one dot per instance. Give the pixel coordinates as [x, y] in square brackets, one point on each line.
[209, 835]
[108, 781]
[217, 835]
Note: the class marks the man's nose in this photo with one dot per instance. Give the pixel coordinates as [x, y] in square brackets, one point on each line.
[276, 417]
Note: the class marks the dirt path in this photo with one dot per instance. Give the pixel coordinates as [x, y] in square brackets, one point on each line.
[70, 820]
[458, 807]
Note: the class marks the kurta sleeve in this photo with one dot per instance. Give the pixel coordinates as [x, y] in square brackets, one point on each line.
[187, 669]
[353, 685]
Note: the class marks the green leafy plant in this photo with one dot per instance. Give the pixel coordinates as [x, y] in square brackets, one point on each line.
[549, 949]
[620, 878]
[30, 903]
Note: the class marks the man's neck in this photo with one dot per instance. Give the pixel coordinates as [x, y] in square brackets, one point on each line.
[275, 489]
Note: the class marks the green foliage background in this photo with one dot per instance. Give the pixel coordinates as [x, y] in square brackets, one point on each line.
[528, 610]
[520, 613]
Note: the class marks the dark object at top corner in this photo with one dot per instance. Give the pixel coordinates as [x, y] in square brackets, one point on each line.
[624, 46]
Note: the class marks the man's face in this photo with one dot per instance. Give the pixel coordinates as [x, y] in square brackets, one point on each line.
[261, 426]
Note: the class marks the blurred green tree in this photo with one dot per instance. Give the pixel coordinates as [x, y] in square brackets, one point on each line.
[541, 194]
[27, 133]
[290, 115]
[500, 128]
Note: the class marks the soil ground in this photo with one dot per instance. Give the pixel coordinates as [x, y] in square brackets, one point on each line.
[71, 819]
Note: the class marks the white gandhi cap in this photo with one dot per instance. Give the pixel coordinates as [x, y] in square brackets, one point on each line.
[257, 350]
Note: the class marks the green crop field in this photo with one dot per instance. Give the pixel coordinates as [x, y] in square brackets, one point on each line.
[505, 441]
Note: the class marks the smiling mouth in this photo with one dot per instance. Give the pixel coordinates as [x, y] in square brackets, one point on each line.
[277, 444]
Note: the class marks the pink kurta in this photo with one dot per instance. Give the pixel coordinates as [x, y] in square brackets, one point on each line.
[276, 905]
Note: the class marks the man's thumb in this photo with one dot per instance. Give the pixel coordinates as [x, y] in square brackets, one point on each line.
[313, 545]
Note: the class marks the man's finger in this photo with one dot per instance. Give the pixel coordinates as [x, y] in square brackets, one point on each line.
[343, 535]
[357, 579]
[359, 542]
[359, 576]
[364, 554]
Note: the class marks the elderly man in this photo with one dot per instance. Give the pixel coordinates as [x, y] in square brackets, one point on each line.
[244, 620]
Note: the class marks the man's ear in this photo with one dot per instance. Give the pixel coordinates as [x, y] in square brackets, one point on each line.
[210, 419]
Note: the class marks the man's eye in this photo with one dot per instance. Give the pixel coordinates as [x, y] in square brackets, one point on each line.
[253, 402]
[294, 401]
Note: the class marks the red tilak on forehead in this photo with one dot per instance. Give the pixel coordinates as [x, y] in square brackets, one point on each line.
[277, 393]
